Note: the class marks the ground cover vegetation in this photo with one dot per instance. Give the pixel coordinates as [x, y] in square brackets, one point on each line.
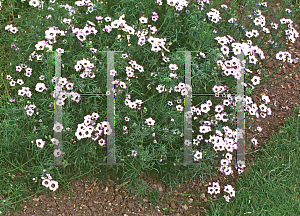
[149, 79]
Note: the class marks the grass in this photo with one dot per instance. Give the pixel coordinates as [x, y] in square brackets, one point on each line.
[271, 186]
[19, 151]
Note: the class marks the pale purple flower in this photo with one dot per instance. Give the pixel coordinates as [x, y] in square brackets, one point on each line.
[227, 198]
[57, 152]
[58, 127]
[287, 10]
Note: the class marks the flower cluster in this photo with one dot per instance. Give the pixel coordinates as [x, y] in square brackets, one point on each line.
[40, 143]
[87, 68]
[179, 4]
[48, 182]
[12, 29]
[90, 5]
[215, 189]
[252, 108]
[133, 105]
[30, 109]
[13, 82]
[229, 189]
[63, 95]
[87, 129]
[214, 15]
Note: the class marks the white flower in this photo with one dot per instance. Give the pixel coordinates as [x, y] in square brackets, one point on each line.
[113, 72]
[263, 108]
[62, 81]
[259, 128]
[46, 183]
[101, 142]
[255, 80]
[49, 176]
[34, 3]
[60, 102]
[134, 153]
[55, 141]
[198, 155]
[179, 108]
[122, 85]
[211, 190]
[280, 56]
[171, 2]
[79, 3]
[79, 134]
[107, 19]
[58, 127]
[87, 133]
[87, 121]
[95, 115]
[115, 24]
[59, 50]
[12, 83]
[202, 54]
[205, 108]
[143, 20]
[53, 185]
[91, 23]
[105, 124]
[107, 131]
[204, 129]
[40, 143]
[69, 86]
[40, 87]
[150, 121]
[229, 189]
[265, 98]
[173, 67]
[8, 27]
[184, 92]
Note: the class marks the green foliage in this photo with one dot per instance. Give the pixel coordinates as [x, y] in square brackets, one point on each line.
[186, 31]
